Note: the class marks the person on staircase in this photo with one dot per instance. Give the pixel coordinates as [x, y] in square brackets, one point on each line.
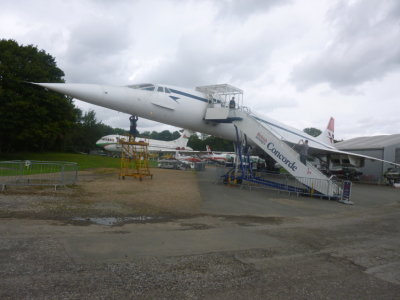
[232, 103]
[303, 151]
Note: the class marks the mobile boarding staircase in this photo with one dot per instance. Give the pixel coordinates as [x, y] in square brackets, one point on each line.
[313, 181]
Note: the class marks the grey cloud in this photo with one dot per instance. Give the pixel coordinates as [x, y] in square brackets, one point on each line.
[369, 126]
[214, 56]
[272, 103]
[198, 61]
[364, 48]
[94, 50]
[244, 8]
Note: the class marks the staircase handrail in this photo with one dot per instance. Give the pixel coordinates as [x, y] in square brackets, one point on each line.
[282, 140]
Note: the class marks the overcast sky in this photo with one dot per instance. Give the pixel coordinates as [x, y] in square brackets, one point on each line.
[298, 61]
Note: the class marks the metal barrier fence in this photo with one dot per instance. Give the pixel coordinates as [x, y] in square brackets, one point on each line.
[285, 182]
[31, 172]
[301, 185]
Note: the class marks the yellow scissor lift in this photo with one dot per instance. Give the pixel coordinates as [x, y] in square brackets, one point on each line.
[134, 159]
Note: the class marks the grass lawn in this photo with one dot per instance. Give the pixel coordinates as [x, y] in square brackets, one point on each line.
[84, 161]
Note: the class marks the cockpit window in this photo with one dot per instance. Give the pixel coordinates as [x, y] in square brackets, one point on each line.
[143, 86]
[160, 89]
[167, 90]
[150, 88]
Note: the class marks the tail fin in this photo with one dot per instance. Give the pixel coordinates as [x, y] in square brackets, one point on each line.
[208, 149]
[184, 138]
[328, 135]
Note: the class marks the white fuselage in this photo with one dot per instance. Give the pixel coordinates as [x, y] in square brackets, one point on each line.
[175, 106]
[111, 143]
[183, 108]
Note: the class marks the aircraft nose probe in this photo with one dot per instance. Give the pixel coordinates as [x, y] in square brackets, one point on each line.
[92, 93]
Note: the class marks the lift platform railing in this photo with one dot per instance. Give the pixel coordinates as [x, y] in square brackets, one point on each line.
[278, 181]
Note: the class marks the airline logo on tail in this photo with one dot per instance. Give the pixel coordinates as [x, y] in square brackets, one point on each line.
[186, 134]
[328, 136]
[184, 138]
[330, 130]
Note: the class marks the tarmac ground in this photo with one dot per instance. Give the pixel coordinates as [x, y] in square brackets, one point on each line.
[194, 239]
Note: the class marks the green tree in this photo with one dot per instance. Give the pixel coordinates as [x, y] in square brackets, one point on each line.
[312, 131]
[145, 134]
[175, 135]
[215, 143]
[85, 133]
[165, 135]
[31, 118]
[195, 143]
[154, 135]
[218, 144]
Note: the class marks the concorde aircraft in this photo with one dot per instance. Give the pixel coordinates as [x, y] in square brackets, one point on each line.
[187, 108]
[110, 143]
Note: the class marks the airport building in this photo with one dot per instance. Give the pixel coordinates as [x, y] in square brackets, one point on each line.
[385, 147]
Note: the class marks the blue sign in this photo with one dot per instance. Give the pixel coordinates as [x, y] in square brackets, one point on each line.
[346, 190]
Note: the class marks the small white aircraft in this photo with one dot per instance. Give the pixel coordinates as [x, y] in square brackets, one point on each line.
[111, 143]
[186, 158]
[187, 108]
[216, 157]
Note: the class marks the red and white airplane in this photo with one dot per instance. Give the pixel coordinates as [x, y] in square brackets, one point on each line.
[187, 158]
[216, 157]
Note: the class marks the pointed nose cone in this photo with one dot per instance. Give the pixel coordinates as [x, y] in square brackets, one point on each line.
[99, 143]
[92, 93]
[118, 98]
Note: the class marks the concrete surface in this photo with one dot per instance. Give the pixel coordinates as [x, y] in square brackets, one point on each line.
[240, 244]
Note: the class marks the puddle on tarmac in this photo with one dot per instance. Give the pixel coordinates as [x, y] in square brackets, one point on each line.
[112, 221]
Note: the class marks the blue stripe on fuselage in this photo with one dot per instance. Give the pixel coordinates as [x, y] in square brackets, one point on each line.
[258, 119]
[188, 95]
[174, 98]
